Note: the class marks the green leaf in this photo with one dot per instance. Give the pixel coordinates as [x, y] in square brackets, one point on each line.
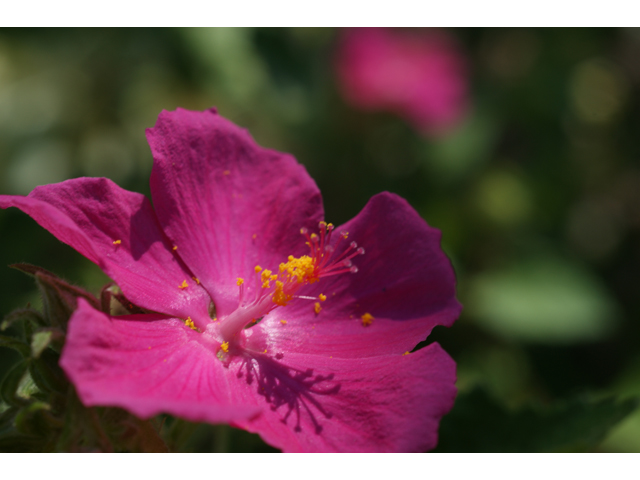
[543, 299]
[478, 424]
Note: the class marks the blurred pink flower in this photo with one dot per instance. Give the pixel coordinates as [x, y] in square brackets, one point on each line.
[419, 75]
[267, 317]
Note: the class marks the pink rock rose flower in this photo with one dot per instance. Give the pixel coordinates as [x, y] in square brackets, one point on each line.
[260, 314]
[418, 75]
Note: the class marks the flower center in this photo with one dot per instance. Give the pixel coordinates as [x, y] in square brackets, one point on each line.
[273, 290]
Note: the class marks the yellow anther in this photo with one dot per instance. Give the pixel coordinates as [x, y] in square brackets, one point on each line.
[225, 347]
[240, 281]
[406, 353]
[284, 322]
[330, 225]
[314, 236]
[265, 351]
[258, 269]
[175, 247]
[322, 297]
[265, 275]
[317, 307]
[183, 285]
[117, 242]
[266, 284]
[303, 231]
[322, 224]
[367, 319]
[195, 279]
[189, 323]
[279, 297]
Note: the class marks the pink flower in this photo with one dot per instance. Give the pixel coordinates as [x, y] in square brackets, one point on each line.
[419, 76]
[325, 368]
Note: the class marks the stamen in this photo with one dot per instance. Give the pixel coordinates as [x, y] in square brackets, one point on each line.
[189, 323]
[117, 242]
[183, 285]
[367, 319]
[225, 347]
[273, 290]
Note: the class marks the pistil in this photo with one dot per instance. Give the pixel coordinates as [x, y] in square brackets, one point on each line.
[277, 290]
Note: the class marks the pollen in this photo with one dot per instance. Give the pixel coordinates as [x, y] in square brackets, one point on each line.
[195, 279]
[322, 297]
[317, 307]
[406, 353]
[258, 269]
[189, 323]
[175, 247]
[284, 322]
[225, 347]
[240, 281]
[367, 319]
[117, 242]
[183, 285]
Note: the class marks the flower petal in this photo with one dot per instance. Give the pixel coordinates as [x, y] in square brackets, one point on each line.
[147, 364]
[117, 230]
[227, 203]
[404, 280]
[390, 403]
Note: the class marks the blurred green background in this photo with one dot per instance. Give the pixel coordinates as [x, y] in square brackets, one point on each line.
[537, 192]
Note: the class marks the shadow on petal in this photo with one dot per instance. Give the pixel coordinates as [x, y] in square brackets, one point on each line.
[293, 393]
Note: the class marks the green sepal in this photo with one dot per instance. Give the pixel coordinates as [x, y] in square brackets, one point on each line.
[59, 298]
[21, 315]
[10, 383]
[11, 342]
[36, 419]
[7, 417]
[113, 302]
[47, 374]
[45, 337]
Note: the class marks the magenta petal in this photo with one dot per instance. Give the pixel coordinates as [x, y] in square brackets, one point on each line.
[90, 214]
[390, 403]
[227, 203]
[147, 364]
[404, 280]
[419, 75]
